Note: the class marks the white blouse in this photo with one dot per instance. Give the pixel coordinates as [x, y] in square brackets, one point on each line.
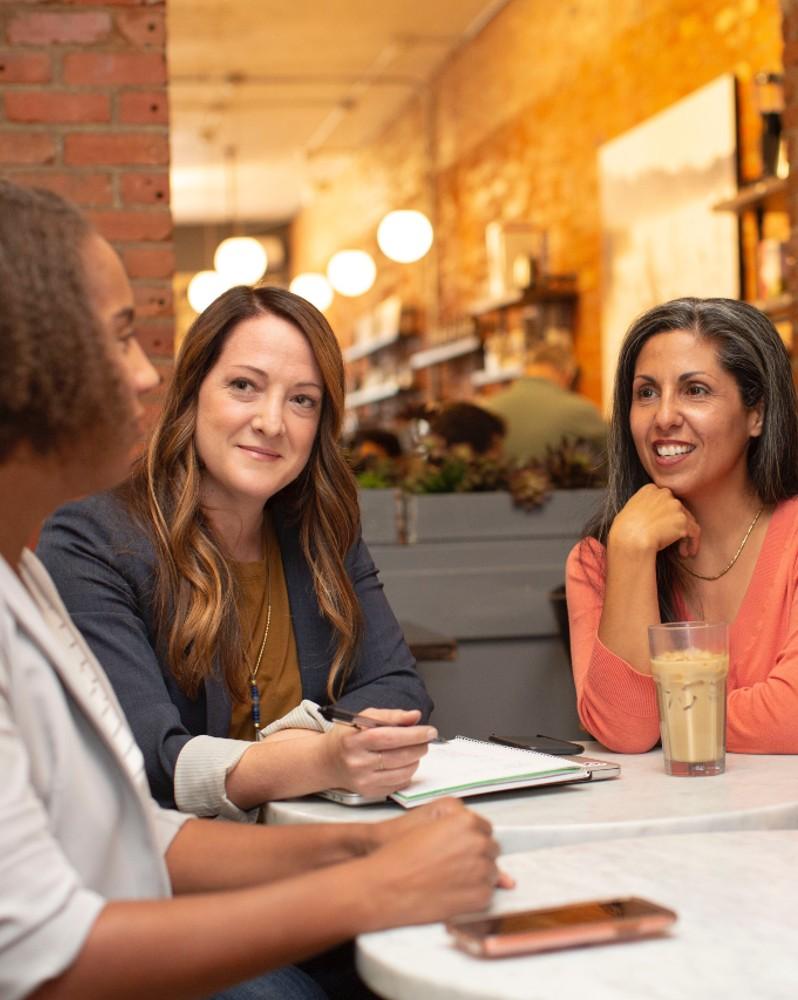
[77, 824]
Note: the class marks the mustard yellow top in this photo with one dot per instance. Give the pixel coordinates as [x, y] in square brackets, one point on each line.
[278, 677]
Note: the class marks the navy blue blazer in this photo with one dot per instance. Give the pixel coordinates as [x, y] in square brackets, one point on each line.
[102, 564]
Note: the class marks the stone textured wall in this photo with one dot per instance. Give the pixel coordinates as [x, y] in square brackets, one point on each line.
[510, 130]
[84, 112]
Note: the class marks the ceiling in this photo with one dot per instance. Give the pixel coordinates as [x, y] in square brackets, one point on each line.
[270, 98]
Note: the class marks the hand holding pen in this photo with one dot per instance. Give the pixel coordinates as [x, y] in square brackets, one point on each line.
[377, 751]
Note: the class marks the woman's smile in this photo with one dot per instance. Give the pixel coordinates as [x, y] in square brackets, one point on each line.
[669, 453]
[260, 454]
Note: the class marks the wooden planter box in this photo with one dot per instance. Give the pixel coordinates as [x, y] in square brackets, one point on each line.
[381, 515]
[481, 570]
[443, 517]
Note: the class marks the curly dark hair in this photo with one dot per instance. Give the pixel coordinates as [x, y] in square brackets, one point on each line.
[57, 381]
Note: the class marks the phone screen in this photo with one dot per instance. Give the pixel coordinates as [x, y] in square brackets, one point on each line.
[559, 916]
[542, 744]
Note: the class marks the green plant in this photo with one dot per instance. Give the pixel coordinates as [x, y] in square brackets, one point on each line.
[574, 464]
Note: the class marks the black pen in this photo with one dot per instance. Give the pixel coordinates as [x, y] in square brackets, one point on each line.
[332, 713]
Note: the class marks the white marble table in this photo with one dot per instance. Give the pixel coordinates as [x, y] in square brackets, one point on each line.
[756, 793]
[735, 894]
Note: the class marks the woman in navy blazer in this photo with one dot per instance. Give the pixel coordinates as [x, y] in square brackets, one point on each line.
[244, 467]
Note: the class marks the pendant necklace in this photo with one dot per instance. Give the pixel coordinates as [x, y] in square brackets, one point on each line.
[734, 558]
[254, 693]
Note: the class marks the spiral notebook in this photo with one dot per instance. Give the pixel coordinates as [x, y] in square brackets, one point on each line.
[463, 766]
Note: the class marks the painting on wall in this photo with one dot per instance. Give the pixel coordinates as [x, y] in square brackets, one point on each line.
[661, 238]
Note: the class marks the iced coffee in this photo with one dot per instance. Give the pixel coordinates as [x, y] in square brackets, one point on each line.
[689, 664]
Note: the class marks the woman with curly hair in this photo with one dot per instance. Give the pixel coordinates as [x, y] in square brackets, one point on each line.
[88, 861]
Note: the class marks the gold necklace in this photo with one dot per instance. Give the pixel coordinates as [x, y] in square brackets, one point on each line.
[254, 693]
[734, 558]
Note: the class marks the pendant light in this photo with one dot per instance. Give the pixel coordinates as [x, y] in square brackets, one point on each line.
[313, 287]
[242, 260]
[351, 272]
[205, 287]
[405, 236]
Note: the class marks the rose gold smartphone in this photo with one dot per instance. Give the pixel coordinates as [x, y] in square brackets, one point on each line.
[593, 922]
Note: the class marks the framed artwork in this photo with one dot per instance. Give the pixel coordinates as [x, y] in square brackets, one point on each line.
[661, 239]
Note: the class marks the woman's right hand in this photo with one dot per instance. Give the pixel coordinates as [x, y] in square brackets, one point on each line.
[440, 867]
[651, 520]
[381, 760]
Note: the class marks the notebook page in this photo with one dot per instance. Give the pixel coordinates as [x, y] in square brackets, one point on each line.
[465, 763]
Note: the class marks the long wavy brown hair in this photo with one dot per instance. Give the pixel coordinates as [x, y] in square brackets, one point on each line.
[195, 594]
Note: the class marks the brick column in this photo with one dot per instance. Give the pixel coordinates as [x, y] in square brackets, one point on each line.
[790, 32]
[84, 112]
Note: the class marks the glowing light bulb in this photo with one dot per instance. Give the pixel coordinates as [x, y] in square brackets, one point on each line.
[242, 260]
[204, 288]
[405, 236]
[313, 287]
[351, 272]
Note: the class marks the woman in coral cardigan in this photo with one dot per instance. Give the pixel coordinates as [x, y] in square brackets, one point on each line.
[700, 521]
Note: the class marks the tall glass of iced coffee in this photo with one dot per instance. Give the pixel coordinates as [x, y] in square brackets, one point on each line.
[689, 664]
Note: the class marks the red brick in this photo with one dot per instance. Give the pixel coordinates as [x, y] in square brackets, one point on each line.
[124, 148]
[50, 106]
[26, 147]
[80, 187]
[104, 68]
[107, 3]
[149, 262]
[145, 188]
[143, 107]
[153, 300]
[28, 67]
[135, 226]
[142, 27]
[157, 336]
[63, 28]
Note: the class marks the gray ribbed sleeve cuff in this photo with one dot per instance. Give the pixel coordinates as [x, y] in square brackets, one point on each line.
[200, 776]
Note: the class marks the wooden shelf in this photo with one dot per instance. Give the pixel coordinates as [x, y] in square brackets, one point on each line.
[483, 306]
[552, 288]
[777, 307]
[770, 192]
[357, 351]
[445, 352]
[483, 377]
[371, 394]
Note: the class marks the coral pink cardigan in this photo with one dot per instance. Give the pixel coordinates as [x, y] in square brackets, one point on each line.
[619, 706]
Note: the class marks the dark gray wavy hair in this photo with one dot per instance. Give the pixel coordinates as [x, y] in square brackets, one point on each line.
[751, 351]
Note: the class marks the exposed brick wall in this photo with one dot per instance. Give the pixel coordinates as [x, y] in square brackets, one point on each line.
[84, 112]
[518, 116]
[790, 30]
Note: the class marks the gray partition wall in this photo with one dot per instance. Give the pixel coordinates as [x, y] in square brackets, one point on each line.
[477, 568]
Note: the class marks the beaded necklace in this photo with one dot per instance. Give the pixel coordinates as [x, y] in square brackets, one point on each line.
[254, 693]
